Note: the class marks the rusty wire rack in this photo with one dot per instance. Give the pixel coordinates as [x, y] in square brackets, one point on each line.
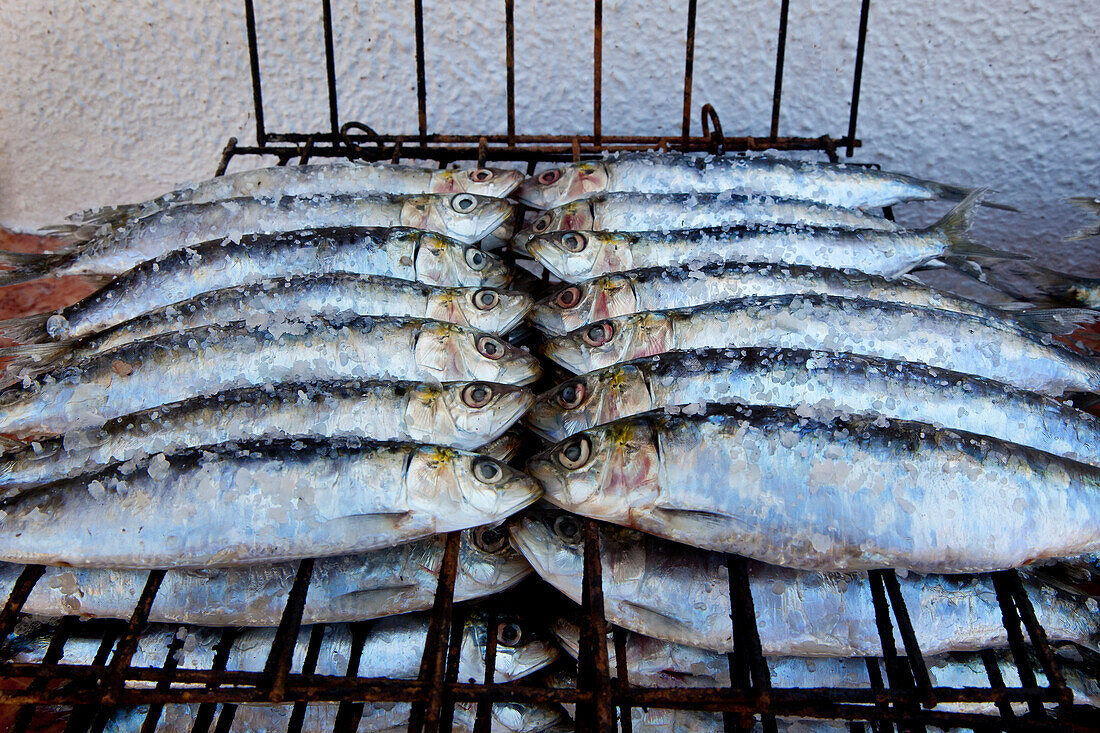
[904, 699]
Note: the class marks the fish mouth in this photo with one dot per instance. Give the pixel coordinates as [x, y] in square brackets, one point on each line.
[566, 355]
[516, 180]
[544, 316]
[527, 370]
[527, 192]
[544, 254]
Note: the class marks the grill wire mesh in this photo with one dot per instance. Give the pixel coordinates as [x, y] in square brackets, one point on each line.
[905, 698]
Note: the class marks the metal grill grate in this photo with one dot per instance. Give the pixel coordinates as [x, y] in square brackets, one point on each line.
[905, 697]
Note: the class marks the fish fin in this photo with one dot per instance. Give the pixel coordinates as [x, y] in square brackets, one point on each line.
[11, 445]
[34, 358]
[1060, 321]
[694, 518]
[112, 215]
[1079, 576]
[26, 329]
[955, 226]
[71, 234]
[27, 266]
[1089, 203]
[947, 192]
[653, 622]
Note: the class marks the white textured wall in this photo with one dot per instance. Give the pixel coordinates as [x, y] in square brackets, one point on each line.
[105, 102]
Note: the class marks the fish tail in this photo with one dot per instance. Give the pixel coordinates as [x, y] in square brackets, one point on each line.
[27, 266]
[1089, 203]
[26, 329]
[1059, 321]
[71, 234]
[10, 445]
[955, 227]
[948, 192]
[34, 358]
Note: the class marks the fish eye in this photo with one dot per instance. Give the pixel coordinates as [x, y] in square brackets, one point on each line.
[509, 633]
[490, 348]
[477, 394]
[481, 175]
[568, 297]
[573, 242]
[549, 177]
[486, 299]
[542, 223]
[476, 259]
[599, 334]
[575, 453]
[571, 395]
[490, 539]
[568, 528]
[463, 203]
[487, 471]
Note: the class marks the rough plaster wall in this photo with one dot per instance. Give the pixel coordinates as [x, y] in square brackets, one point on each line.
[108, 102]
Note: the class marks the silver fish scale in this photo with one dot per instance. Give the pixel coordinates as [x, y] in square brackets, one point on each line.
[114, 251]
[275, 502]
[904, 495]
[174, 367]
[681, 594]
[824, 384]
[1001, 350]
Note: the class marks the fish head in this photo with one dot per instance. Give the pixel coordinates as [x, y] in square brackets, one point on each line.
[495, 182]
[603, 471]
[466, 217]
[453, 353]
[577, 215]
[487, 562]
[503, 448]
[589, 400]
[440, 260]
[486, 309]
[522, 646]
[464, 414]
[576, 255]
[465, 489]
[551, 540]
[564, 184]
[615, 340]
[582, 303]
[521, 717]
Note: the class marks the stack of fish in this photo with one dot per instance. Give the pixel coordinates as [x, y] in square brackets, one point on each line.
[758, 373]
[288, 363]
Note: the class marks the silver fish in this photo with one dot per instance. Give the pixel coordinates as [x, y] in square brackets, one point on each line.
[681, 594]
[81, 391]
[727, 481]
[273, 501]
[648, 172]
[579, 255]
[998, 349]
[644, 212]
[459, 415]
[318, 178]
[818, 384]
[656, 289]
[463, 216]
[392, 580]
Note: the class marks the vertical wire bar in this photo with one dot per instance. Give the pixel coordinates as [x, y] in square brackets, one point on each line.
[510, 63]
[425, 713]
[780, 59]
[171, 661]
[53, 654]
[454, 649]
[330, 69]
[20, 592]
[1039, 642]
[254, 64]
[597, 73]
[594, 659]
[861, 46]
[896, 671]
[747, 635]
[909, 637]
[80, 718]
[281, 655]
[689, 70]
[874, 674]
[421, 87]
[996, 681]
[221, 657]
[114, 679]
[228, 152]
[309, 666]
[225, 718]
[483, 719]
[1011, 619]
[349, 713]
[622, 677]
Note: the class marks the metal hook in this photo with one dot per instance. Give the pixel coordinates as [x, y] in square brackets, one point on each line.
[716, 139]
[482, 151]
[355, 150]
[306, 151]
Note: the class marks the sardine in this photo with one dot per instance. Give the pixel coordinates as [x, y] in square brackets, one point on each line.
[300, 299]
[681, 594]
[848, 493]
[580, 255]
[405, 254]
[259, 503]
[647, 172]
[656, 289]
[818, 384]
[83, 391]
[459, 415]
[644, 212]
[309, 180]
[998, 349]
[463, 216]
[368, 585]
